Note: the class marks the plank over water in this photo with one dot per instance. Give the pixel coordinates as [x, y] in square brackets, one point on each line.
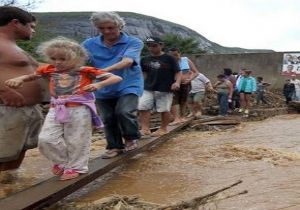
[52, 190]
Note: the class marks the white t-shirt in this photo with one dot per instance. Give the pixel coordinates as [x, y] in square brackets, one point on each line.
[199, 83]
[296, 82]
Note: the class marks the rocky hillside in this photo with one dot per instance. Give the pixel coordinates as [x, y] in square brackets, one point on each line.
[76, 25]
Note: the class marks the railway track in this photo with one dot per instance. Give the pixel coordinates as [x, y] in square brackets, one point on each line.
[52, 190]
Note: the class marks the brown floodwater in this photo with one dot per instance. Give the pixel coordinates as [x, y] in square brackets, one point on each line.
[36, 168]
[265, 155]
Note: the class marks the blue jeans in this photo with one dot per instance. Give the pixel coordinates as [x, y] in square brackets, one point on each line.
[223, 103]
[119, 116]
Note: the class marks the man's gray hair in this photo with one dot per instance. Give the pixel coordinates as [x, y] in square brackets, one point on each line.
[99, 17]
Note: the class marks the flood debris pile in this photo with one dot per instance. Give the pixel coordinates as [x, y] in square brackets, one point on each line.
[216, 123]
[211, 122]
[118, 202]
[115, 202]
[274, 98]
[295, 105]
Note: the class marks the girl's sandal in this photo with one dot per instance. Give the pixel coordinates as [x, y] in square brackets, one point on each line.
[69, 174]
[57, 170]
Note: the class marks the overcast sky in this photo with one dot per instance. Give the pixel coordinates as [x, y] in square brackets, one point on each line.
[253, 24]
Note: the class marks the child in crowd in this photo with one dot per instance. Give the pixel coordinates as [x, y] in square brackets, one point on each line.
[66, 134]
[260, 92]
[246, 86]
[197, 94]
[288, 91]
[224, 89]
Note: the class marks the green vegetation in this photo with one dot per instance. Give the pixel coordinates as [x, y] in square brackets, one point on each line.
[186, 45]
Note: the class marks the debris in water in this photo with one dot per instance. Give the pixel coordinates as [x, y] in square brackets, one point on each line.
[134, 203]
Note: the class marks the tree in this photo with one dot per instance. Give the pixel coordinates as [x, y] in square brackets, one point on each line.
[186, 45]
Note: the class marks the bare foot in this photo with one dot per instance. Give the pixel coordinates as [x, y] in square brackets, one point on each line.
[175, 122]
[158, 133]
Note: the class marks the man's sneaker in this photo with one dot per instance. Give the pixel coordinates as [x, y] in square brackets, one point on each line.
[246, 111]
[241, 110]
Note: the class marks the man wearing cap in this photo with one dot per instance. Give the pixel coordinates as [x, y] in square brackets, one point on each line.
[162, 76]
[116, 52]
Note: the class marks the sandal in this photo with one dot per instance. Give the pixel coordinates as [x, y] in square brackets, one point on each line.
[130, 145]
[158, 133]
[69, 174]
[111, 153]
[57, 169]
[145, 132]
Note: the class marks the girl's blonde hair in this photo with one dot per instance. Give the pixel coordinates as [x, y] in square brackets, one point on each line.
[75, 53]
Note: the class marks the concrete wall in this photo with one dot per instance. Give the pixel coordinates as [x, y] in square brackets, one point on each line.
[267, 65]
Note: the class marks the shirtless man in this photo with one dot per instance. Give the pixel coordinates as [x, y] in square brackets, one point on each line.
[20, 119]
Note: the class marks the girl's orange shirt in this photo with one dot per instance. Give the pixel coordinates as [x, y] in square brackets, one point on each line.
[65, 83]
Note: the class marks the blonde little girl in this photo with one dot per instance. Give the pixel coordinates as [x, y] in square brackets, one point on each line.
[66, 134]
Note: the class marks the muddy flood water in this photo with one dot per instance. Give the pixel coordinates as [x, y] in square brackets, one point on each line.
[265, 155]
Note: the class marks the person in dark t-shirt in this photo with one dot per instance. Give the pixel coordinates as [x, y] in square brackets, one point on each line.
[288, 91]
[162, 75]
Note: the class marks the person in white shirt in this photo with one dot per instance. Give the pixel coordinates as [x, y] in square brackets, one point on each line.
[197, 94]
[296, 82]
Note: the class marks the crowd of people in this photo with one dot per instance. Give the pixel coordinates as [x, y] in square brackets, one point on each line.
[123, 87]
